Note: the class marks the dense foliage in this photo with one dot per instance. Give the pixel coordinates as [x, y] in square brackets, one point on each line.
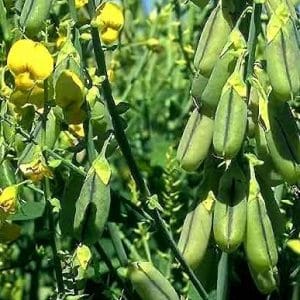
[149, 149]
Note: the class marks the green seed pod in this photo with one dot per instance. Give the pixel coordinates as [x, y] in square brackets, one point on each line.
[198, 85]
[195, 141]
[33, 16]
[260, 244]
[282, 135]
[93, 204]
[149, 283]
[196, 230]
[231, 117]
[265, 281]
[229, 222]
[222, 70]
[282, 55]
[210, 45]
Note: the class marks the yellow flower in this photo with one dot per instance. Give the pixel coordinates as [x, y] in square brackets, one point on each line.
[80, 3]
[69, 90]
[8, 201]
[29, 62]
[110, 21]
[36, 170]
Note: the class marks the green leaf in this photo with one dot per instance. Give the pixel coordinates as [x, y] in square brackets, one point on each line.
[92, 209]
[102, 169]
[222, 281]
[68, 202]
[29, 211]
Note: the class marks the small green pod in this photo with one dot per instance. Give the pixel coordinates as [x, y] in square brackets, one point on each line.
[265, 281]
[282, 56]
[196, 230]
[195, 141]
[222, 70]
[149, 283]
[33, 16]
[260, 243]
[231, 118]
[211, 42]
[284, 142]
[198, 85]
[230, 211]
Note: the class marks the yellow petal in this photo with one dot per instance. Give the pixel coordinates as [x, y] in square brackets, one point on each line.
[110, 15]
[40, 63]
[18, 56]
[109, 36]
[8, 199]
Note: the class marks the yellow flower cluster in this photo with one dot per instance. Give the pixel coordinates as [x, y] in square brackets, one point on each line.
[30, 63]
[110, 21]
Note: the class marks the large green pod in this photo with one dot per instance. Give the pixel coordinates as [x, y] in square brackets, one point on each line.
[231, 118]
[222, 70]
[282, 56]
[149, 283]
[229, 221]
[211, 41]
[260, 244]
[195, 141]
[283, 141]
[196, 230]
[34, 15]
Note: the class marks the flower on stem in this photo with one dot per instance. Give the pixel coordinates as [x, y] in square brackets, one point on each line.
[8, 201]
[110, 21]
[30, 62]
[36, 170]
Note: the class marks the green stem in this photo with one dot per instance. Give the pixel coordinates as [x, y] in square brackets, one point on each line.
[127, 153]
[72, 9]
[47, 193]
[254, 30]
[117, 243]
